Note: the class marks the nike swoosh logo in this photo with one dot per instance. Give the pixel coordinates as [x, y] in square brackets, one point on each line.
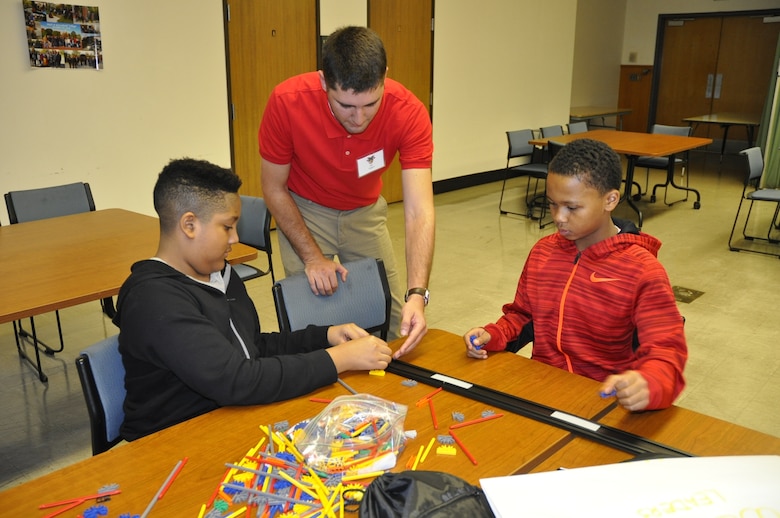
[593, 278]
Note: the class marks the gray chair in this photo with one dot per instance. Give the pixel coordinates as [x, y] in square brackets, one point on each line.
[578, 127]
[254, 229]
[519, 148]
[43, 203]
[363, 299]
[662, 163]
[752, 192]
[102, 376]
[552, 131]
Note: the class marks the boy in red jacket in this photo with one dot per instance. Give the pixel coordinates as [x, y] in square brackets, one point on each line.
[594, 289]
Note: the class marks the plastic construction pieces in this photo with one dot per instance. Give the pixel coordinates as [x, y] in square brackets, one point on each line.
[376, 372]
[463, 447]
[433, 415]
[409, 383]
[446, 449]
[164, 488]
[275, 484]
[424, 400]
[343, 384]
[475, 421]
[75, 502]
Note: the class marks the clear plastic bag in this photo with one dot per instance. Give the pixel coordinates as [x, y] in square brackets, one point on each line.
[354, 434]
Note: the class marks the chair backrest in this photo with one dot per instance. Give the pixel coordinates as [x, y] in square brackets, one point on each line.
[578, 127]
[102, 376]
[682, 131]
[552, 131]
[553, 147]
[254, 225]
[49, 202]
[755, 160]
[518, 144]
[363, 299]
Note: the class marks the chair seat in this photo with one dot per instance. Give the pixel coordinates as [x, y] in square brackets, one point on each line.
[772, 195]
[247, 272]
[655, 162]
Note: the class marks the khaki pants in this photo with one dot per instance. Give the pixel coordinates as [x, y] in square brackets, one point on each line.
[349, 235]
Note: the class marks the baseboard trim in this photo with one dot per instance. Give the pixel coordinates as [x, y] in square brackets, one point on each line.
[471, 180]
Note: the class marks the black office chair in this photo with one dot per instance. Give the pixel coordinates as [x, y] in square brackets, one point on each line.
[752, 193]
[363, 299]
[519, 148]
[662, 163]
[254, 229]
[43, 203]
[102, 376]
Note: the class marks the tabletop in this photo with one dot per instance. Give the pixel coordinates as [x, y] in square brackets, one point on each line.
[634, 143]
[588, 112]
[727, 118]
[59, 262]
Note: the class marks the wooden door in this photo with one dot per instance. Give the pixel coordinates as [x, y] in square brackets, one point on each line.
[268, 42]
[405, 27]
[745, 66]
[690, 56]
[635, 89]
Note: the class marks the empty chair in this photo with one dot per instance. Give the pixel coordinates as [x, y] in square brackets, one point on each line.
[578, 127]
[752, 193]
[552, 131]
[254, 229]
[662, 163]
[363, 299]
[102, 376]
[43, 203]
[519, 148]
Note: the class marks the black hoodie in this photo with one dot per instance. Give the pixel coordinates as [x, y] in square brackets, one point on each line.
[180, 345]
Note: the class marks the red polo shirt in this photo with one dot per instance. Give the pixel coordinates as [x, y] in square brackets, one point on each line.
[299, 129]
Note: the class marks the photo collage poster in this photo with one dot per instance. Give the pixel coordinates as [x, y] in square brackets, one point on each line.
[63, 35]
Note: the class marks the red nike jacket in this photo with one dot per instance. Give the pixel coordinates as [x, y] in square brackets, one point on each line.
[586, 305]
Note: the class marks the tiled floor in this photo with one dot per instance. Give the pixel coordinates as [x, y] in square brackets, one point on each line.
[733, 328]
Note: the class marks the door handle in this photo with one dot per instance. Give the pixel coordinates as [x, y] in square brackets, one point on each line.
[708, 92]
[718, 85]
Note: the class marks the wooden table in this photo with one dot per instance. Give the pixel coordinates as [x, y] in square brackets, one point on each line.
[634, 145]
[503, 446]
[726, 120]
[689, 431]
[56, 263]
[587, 113]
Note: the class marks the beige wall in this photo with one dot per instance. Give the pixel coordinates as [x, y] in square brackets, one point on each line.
[162, 94]
[497, 66]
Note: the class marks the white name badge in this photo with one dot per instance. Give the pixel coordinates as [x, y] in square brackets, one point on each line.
[369, 164]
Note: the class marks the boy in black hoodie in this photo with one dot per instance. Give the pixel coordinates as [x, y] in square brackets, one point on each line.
[190, 336]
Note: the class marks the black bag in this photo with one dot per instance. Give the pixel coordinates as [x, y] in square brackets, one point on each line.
[417, 494]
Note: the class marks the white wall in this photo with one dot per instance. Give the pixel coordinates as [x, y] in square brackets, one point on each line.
[497, 66]
[598, 40]
[162, 95]
[642, 20]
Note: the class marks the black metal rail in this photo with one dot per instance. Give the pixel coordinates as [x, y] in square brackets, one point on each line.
[592, 430]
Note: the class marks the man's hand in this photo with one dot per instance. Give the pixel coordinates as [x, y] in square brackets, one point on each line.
[630, 388]
[413, 325]
[323, 275]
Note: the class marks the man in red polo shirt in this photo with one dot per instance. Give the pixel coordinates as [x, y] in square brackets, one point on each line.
[325, 139]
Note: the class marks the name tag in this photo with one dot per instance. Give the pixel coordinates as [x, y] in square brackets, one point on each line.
[369, 164]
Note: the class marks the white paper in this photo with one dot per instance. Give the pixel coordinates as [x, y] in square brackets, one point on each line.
[723, 487]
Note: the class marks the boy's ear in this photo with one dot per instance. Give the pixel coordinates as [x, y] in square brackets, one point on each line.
[188, 223]
[612, 198]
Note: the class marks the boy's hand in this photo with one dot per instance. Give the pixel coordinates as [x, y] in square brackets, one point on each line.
[365, 353]
[475, 340]
[344, 333]
[630, 388]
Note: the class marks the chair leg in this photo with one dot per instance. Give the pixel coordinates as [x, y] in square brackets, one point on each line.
[19, 335]
[501, 209]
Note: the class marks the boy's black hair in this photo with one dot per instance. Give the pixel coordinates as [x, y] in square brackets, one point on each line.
[189, 185]
[592, 162]
[353, 58]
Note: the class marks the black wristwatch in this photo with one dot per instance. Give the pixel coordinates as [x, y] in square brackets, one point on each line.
[417, 291]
